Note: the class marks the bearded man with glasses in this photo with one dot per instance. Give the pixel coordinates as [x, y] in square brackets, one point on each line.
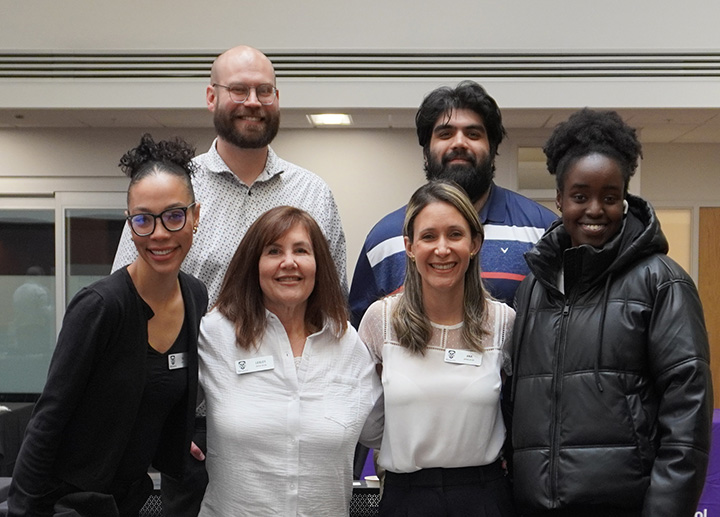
[237, 180]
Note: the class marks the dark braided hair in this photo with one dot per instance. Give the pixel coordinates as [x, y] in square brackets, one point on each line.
[167, 156]
[588, 132]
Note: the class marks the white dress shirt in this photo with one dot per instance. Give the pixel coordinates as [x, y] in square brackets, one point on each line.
[281, 440]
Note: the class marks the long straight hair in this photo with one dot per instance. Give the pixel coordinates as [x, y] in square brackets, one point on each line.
[241, 298]
[409, 320]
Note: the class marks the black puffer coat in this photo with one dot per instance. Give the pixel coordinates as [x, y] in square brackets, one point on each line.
[612, 392]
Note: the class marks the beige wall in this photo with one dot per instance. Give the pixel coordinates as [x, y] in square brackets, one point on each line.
[688, 173]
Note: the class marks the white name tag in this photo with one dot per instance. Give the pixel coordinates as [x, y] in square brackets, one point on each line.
[177, 361]
[455, 356]
[256, 364]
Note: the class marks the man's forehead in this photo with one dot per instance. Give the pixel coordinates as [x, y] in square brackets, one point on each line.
[462, 117]
[240, 66]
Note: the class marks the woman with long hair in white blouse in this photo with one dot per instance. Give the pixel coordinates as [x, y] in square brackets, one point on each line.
[440, 343]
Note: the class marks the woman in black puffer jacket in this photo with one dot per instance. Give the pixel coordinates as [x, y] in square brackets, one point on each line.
[612, 394]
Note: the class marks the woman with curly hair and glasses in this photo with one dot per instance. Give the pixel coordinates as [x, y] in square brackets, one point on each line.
[121, 391]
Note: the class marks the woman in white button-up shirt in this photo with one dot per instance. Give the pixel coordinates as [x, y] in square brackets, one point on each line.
[289, 386]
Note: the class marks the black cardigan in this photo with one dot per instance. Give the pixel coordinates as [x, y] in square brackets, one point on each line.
[81, 423]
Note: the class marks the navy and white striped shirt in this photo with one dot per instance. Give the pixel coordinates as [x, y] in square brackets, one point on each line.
[512, 223]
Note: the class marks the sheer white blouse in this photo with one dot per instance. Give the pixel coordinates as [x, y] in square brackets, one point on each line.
[439, 413]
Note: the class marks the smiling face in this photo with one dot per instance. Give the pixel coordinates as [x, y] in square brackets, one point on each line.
[441, 247]
[287, 271]
[163, 251]
[591, 200]
[459, 150]
[250, 125]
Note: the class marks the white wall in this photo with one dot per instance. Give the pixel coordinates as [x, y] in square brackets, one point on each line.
[371, 172]
[484, 25]
[384, 26]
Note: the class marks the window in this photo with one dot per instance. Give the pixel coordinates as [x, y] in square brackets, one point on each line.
[49, 249]
[91, 240]
[27, 297]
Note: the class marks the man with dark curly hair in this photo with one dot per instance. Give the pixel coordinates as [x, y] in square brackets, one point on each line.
[460, 130]
[612, 392]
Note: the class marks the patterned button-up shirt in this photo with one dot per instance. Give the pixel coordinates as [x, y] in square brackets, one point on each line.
[229, 207]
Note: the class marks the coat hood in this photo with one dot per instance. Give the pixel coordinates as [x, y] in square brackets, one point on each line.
[585, 267]
[639, 237]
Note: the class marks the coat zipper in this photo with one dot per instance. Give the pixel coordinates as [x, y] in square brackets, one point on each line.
[557, 391]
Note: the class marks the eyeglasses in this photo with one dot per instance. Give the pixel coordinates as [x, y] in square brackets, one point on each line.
[173, 219]
[239, 93]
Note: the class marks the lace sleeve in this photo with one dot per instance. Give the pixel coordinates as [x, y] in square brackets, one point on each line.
[371, 329]
[505, 321]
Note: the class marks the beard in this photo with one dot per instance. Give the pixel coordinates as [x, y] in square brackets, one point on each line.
[225, 128]
[474, 177]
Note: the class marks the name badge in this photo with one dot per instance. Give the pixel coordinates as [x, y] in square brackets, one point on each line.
[456, 356]
[177, 361]
[256, 364]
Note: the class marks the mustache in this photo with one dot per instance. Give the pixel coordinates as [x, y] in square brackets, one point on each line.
[242, 111]
[459, 153]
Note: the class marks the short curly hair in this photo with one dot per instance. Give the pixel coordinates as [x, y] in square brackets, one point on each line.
[588, 132]
[168, 156]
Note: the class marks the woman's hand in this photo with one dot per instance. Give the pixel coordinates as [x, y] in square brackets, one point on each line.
[196, 452]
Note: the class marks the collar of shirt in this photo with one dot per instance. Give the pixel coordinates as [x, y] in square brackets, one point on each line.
[494, 210]
[272, 318]
[216, 164]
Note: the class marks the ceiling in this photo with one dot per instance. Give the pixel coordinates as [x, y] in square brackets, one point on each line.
[655, 125]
